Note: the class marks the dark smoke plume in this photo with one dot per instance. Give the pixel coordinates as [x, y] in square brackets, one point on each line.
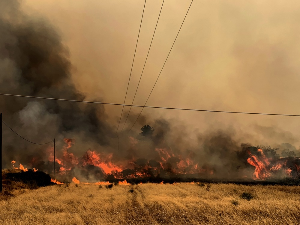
[33, 61]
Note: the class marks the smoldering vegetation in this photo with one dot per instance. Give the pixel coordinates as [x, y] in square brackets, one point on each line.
[33, 61]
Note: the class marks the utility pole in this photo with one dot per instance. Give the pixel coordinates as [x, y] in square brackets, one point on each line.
[1, 151]
[54, 157]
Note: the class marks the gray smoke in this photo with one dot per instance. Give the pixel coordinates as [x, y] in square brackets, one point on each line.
[33, 61]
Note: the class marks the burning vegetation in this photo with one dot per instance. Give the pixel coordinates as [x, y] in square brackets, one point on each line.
[34, 61]
[255, 164]
[273, 166]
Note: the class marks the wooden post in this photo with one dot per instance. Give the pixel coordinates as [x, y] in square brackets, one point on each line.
[1, 151]
[54, 157]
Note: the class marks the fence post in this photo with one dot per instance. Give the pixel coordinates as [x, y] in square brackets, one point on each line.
[1, 151]
[54, 157]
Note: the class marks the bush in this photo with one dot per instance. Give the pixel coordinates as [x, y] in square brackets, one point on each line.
[201, 184]
[208, 187]
[235, 202]
[109, 186]
[5, 195]
[246, 195]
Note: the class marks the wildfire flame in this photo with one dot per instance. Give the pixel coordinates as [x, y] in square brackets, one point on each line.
[165, 163]
[123, 182]
[75, 180]
[264, 168]
[93, 158]
[55, 181]
[102, 183]
[21, 167]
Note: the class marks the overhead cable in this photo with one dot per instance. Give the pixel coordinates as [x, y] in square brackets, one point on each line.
[136, 45]
[187, 12]
[46, 143]
[138, 85]
[152, 107]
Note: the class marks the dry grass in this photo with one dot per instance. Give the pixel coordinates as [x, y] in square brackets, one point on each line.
[182, 203]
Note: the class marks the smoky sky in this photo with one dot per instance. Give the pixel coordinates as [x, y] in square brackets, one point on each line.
[233, 55]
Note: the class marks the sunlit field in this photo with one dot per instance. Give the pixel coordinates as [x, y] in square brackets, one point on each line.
[179, 203]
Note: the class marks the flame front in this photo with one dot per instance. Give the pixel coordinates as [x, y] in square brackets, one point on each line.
[75, 180]
[165, 163]
[21, 167]
[94, 158]
[55, 181]
[265, 167]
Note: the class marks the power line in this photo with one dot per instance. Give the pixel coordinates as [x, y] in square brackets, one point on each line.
[162, 5]
[136, 45]
[137, 41]
[164, 62]
[26, 138]
[152, 107]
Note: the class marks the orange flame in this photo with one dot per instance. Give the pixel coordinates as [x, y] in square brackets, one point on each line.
[13, 164]
[93, 158]
[102, 183]
[68, 160]
[21, 167]
[75, 180]
[164, 154]
[55, 181]
[263, 168]
[260, 168]
[288, 171]
[123, 182]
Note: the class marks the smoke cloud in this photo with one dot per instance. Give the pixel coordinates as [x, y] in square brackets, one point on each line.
[229, 55]
[35, 62]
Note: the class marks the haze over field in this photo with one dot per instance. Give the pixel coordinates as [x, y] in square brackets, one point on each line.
[233, 55]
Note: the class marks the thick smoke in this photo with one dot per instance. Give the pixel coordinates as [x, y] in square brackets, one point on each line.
[34, 61]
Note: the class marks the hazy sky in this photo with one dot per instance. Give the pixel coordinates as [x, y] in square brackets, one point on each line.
[230, 55]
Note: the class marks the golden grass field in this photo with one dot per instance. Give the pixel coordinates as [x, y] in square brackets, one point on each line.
[181, 203]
